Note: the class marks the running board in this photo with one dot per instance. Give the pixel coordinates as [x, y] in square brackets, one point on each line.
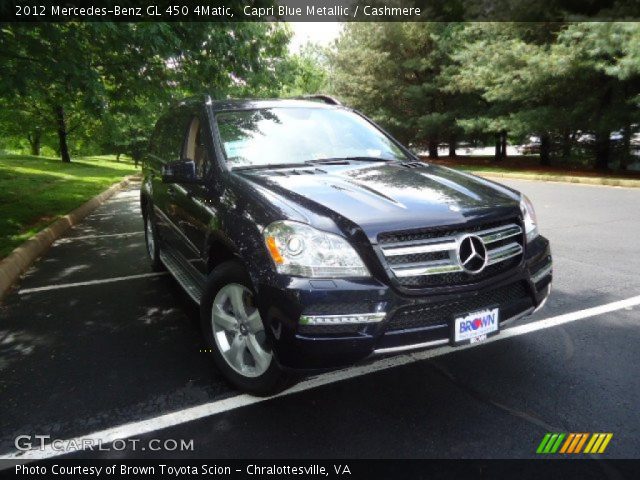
[188, 277]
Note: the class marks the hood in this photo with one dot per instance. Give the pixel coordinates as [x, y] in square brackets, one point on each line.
[389, 196]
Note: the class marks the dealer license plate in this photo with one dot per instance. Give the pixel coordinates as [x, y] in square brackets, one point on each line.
[475, 326]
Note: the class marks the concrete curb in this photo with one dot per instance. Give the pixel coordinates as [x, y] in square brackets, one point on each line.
[21, 258]
[611, 182]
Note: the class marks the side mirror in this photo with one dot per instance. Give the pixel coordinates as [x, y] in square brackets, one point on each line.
[180, 171]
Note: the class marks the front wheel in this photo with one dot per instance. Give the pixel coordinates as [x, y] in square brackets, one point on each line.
[235, 334]
[151, 240]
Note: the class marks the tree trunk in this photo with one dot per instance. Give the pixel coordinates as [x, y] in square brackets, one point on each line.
[62, 134]
[452, 147]
[545, 150]
[503, 144]
[603, 144]
[118, 157]
[433, 149]
[34, 142]
[498, 154]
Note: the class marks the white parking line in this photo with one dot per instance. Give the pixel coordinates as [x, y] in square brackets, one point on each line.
[89, 282]
[88, 237]
[219, 406]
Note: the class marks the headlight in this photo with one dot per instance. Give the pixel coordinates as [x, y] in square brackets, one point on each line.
[530, 219]
[303, 251]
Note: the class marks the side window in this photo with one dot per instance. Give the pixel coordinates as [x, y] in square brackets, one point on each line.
[167, 138]
[195, 147]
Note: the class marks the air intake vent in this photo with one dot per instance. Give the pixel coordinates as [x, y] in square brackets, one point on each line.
[413, 165]
[295, 171]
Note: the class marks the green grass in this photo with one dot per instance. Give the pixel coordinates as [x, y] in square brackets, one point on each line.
[35, 191]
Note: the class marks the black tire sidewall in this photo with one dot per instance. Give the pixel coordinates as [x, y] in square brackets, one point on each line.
[156, 264]
[270, 381]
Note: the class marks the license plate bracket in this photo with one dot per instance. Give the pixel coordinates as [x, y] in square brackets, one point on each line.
[475, 326]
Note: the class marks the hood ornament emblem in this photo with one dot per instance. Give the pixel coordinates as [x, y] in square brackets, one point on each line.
[472, 254]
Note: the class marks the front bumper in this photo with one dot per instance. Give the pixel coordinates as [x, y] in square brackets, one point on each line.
[411, 321]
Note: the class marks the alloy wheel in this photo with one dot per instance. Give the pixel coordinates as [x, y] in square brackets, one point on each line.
[238, 331]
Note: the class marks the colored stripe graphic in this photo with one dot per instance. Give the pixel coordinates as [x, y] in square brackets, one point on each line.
[543, 443]
[573, 443]
[550, 443]
[594, 437]
[565, 447]
[556, 446]
[598, 443]
[581, 443]
[605, 443]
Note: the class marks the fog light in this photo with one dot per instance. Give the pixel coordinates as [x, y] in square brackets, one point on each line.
[342, 319]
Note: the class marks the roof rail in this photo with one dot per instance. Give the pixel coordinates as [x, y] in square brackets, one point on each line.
[324, 98]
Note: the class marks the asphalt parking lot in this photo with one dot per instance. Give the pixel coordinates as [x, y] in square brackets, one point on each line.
[92, 340]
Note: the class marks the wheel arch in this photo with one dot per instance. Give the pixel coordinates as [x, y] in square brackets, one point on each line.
[219, 249]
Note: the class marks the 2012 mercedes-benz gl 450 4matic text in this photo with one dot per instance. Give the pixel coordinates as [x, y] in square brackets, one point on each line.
[311, 239]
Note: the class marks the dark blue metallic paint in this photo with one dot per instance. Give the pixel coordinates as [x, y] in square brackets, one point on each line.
[359, 201]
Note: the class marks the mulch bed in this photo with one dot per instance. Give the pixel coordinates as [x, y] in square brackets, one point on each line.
[527, 164]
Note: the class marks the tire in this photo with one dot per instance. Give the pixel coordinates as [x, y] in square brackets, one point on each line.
[234, 332]
[151, 240]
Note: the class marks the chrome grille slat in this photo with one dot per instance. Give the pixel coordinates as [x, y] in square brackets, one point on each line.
[503, 253]
[447, 245]
[422, 248]
[427, 268]
[500, 233]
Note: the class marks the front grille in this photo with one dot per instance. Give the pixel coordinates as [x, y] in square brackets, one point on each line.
[428, 257]
[511, 300]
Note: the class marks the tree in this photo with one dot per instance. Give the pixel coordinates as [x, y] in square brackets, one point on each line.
[76, 71]
[606, 57]
[398, 74]
[555, 81]
[22, 119]
[305, 72]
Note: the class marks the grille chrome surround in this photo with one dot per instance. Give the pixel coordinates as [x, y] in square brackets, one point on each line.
[448, 246]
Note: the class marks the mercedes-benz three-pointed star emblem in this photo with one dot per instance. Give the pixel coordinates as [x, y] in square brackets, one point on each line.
[472, 254]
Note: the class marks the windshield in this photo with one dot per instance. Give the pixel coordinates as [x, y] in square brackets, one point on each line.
[291, 135]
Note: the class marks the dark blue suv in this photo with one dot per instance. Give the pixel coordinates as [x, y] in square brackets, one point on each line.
[311, 239]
